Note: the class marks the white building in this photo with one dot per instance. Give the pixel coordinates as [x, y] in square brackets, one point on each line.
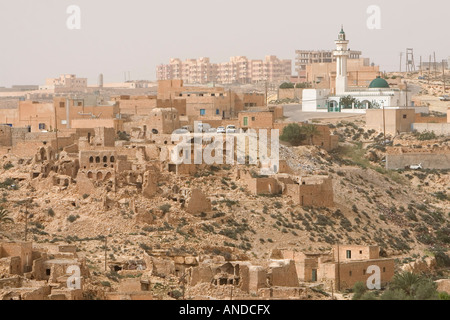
[315, 100]
[65, 83]
[378, 95]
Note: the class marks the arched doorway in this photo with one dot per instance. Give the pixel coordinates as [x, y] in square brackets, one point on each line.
[333, 106]
[366, 104]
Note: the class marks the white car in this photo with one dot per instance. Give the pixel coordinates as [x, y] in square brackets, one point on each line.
[221, 130]
[181, 131]
[203, 127]
[231, 129]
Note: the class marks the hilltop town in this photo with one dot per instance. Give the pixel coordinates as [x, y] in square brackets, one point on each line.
[94, 205]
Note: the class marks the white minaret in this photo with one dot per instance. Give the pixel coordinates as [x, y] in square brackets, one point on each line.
[341, 53]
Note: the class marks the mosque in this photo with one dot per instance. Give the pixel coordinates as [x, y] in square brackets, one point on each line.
[378, 95]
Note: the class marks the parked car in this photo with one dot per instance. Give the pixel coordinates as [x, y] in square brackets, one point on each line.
[203, 127]
[231, 129]
[444, 98]
[188, 128]
[181, 131]
[221, 130]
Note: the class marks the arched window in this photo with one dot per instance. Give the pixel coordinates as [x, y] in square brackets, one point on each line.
[99, 176]
[97, 159]
[105, 159]
[91, 160]
[112, 159]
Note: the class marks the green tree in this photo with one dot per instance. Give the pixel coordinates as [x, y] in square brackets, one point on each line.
[4, 218]
[444, 296]
[369, 296]
[122, 135]
[303, 85]
[407, 285]
[310, 131]
[347, 101]
[293, 134]
[394, 295]
[359, 289]
[287, 85]
[407, 282]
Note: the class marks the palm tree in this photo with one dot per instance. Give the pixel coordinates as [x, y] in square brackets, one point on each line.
[310, 131]
[4, 216]
[408, 282]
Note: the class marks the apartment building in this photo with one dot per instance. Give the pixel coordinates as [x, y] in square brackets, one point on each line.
[65, 83]
[239, 70]
[303, 58]
[360, 73]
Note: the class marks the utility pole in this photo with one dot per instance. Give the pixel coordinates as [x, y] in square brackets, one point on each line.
[443, 74]
[406, 92]
[429, 70]
[435, 66]
[384, 124]
[401, 57]
[266, 94]
[338, 269]
[26, 221]
[420, 65]
[106, 249]
[56, 128]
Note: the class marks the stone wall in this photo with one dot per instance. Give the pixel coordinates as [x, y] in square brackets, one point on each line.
[296, 93]
[312, 192]
[428, 160]
[353, 272]
[437, 128]
[5, 136]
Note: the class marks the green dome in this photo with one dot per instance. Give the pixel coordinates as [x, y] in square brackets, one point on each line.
[379, 83]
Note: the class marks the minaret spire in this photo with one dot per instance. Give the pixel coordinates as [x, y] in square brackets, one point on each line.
[341, 53]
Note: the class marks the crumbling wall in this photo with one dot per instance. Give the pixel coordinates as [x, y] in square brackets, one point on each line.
[198, 202]
[200, 274]
[149, 186]
[5, 136]
[104, 137]
[312, 192]
[282, 273]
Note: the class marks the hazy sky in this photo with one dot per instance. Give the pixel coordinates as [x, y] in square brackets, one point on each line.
[137, 35]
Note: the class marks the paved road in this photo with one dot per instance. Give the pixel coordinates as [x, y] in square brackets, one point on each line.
[294, 113]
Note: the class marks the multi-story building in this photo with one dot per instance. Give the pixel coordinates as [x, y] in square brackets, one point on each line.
[65, 83]
[306, 57]
[239, 70]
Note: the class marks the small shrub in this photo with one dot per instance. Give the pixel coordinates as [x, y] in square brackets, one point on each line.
[72, 218]
[165, 208]
[8, 166]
